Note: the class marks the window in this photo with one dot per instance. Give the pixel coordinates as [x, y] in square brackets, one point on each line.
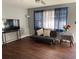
[51, 19]
[48, 19]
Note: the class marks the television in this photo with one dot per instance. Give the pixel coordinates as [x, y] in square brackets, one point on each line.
[10, 24]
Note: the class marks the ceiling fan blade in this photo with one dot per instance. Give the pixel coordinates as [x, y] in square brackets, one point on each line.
[40, 1]
[43, 2]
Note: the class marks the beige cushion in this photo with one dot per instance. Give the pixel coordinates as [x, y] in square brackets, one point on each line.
[46, 32]
[40, 32]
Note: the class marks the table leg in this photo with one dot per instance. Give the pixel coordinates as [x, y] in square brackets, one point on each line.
[20, 34]
[17, 34]
[4, 38]
[71, 43]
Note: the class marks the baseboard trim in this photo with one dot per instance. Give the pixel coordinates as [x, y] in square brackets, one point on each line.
[8, 41]
[25, 36]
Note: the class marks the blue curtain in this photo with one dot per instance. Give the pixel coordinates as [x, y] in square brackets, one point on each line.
[38, 17]
[60, 18]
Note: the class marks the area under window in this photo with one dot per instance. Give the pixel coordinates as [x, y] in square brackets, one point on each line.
[51, 19]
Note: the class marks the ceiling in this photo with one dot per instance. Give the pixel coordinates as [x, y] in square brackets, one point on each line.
[32, 4]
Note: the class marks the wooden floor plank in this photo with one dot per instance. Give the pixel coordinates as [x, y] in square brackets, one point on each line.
[28, 49]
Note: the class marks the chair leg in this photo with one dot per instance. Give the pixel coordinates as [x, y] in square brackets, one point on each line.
[60, 42]
[71, 43]
[51, 43]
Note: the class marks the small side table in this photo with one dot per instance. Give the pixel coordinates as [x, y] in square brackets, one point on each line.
[67, 37]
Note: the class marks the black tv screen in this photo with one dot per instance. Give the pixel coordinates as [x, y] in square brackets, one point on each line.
[11, 24]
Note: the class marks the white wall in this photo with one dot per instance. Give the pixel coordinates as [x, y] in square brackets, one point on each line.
[71, 20]
[11, 12]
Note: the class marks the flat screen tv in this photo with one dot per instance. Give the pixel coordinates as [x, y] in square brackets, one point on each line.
[11, 24]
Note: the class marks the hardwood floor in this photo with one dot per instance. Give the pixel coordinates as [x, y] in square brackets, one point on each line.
[28, 49]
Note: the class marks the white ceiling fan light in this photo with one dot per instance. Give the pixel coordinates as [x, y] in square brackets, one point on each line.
[40, 1]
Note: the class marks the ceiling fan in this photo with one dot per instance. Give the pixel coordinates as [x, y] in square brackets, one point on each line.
[40, 1]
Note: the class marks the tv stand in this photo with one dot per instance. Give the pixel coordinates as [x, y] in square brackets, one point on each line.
[9, 31]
